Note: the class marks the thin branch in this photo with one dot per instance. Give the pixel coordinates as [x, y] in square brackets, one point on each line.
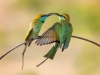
[41, 37]
[12, 49]
[86, 40]
[15, 48]
[41, 62]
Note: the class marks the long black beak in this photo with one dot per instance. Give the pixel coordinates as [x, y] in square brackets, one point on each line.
[54, 13]
[48, 14]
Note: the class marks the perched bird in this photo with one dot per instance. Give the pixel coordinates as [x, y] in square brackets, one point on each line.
[60, 33]
[34, 29]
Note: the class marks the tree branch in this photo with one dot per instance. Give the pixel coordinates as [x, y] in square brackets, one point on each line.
[86, 40]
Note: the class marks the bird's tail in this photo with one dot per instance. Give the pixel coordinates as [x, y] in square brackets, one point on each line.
[52, 52]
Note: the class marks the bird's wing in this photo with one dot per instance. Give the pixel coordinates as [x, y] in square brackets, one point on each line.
[30, 30]
[50, 35]
[68, 37]
[28, 35]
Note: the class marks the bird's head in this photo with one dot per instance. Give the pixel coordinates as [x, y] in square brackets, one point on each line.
[66, 16]
[42, 17]
[61, 16]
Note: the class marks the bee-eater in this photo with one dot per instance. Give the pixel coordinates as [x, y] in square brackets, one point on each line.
[60, 33]
[34, 29]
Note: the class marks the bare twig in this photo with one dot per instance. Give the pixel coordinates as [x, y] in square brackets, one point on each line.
[15, 48]
[86, 40]
[41, 62]
[41, 37]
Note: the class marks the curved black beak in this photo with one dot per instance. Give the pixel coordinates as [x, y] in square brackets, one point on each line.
[54, 13]
[48, 14]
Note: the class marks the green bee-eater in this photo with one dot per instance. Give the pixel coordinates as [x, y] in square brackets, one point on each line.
[60, 33]
[34, 29]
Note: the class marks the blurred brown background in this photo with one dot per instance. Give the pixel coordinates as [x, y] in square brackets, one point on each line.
[81, 58]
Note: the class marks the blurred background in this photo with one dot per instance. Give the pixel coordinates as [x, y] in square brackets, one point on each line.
[81, 58]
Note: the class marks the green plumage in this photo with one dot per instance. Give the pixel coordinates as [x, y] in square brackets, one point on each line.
[60, 31]
[35, 27]
[67, 36]
[52, 51]
[33, 31]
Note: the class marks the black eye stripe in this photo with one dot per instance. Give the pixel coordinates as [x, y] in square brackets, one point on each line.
[42, 21]
[43, 15]
[62, 16]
